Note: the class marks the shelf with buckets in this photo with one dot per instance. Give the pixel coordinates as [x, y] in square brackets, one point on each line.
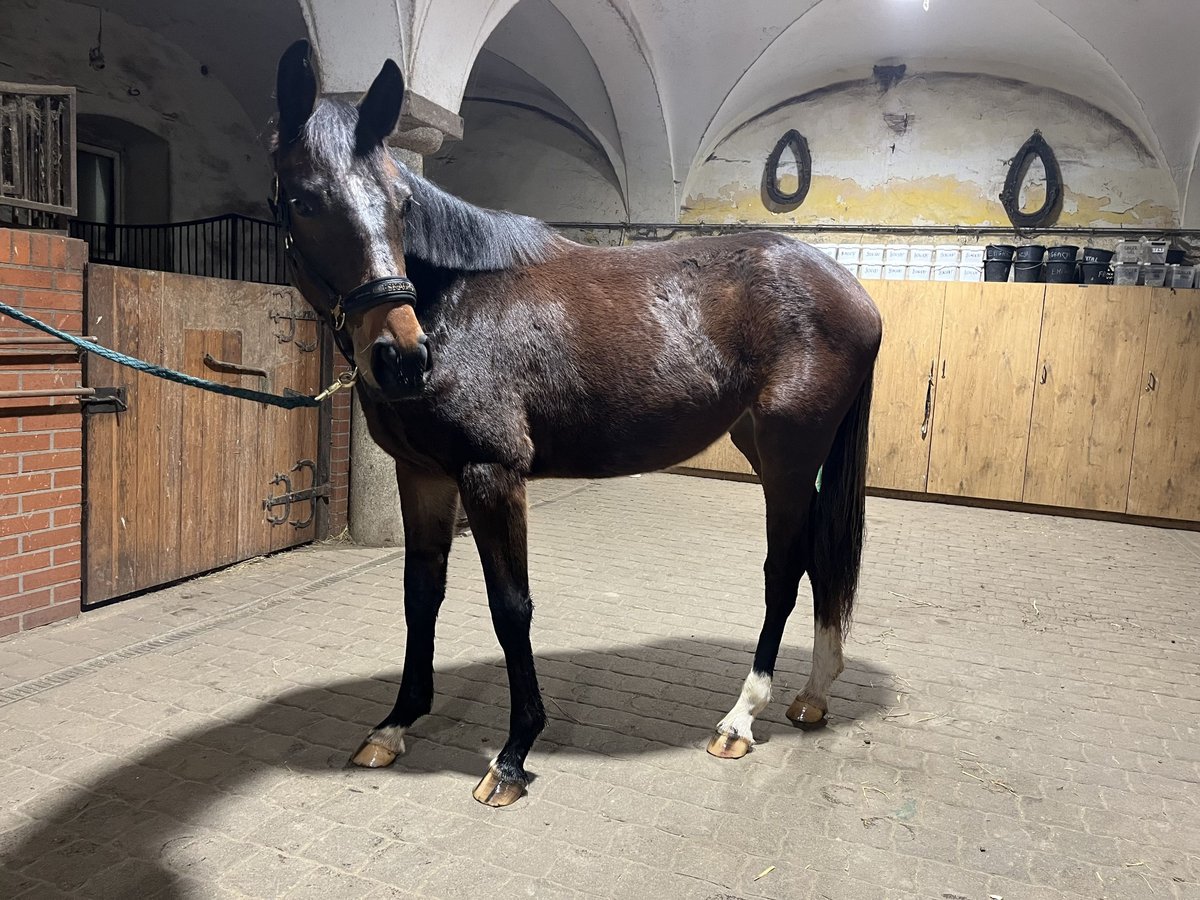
[1146, 262]
[908, 262]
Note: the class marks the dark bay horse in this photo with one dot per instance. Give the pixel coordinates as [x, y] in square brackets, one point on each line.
[490, 351]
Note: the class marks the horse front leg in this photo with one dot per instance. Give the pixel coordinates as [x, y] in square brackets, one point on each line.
[494, 499]
[429, 508]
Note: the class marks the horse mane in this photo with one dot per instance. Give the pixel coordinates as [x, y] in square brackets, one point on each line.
[440, 230]
[449, 233]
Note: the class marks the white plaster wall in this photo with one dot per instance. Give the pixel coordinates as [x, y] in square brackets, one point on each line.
[218, 163]
[947, 168]
[526, 162]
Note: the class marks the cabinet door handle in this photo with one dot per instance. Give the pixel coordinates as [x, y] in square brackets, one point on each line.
[1152, 384]
[1045, 373]
[943, 368]
[928, 399]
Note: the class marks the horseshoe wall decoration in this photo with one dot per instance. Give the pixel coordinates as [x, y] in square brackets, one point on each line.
[773, 198]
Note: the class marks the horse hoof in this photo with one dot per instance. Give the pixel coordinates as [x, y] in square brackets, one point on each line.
[728, 746]
[805, 714]
[494, 791]
[373, 756]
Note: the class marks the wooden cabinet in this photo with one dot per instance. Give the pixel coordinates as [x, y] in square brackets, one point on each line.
[722, 456]
[1057, 395]
[1165, 478]
[985, 389]
[1081, 434]
[905, 389]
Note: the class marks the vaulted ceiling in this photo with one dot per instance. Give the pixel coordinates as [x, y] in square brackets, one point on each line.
[660, 82]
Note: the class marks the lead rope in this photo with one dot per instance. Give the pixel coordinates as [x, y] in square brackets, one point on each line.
[289, 400]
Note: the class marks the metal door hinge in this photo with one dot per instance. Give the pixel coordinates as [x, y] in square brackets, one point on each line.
[290, 496]
[105, 400]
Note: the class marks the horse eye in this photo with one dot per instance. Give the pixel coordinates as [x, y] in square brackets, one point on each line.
[303, 207]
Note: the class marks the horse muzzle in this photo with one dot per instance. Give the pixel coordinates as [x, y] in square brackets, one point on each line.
[399, 372]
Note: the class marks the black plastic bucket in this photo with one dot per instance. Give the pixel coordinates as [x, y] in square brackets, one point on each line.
[1096, 255]
[1027, 267]
[996, 269]
[1062, 273]
[999, 253]
[1060, 265]
[1095, 272]
[1175, 257]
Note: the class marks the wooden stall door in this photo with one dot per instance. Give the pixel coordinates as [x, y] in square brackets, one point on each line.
[985, 389]
[1085, 401]
[175, 484]
[905, 389]
[1166, 453]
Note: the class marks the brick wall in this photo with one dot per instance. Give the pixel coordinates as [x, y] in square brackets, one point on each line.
[40, 438]
[339, 463]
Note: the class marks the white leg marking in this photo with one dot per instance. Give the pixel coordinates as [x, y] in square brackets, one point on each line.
[391, 737]
[756, 694]
[826, 665]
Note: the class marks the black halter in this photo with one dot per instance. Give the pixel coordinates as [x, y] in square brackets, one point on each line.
[393, 289]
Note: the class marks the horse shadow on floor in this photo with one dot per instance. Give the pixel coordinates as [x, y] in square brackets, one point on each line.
[122, 833]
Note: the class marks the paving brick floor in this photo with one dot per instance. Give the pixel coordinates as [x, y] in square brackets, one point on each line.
[1019, 718]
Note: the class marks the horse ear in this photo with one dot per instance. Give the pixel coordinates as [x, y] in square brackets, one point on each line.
[379, 110]
[296, 90]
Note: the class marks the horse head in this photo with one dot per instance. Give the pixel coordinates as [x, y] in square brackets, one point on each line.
[342, 199]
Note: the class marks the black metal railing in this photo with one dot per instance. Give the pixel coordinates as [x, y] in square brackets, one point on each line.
[232, 246]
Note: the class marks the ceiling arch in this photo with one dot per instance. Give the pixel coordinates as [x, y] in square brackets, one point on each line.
[679, 75]
[536, 40]
[834, 42]
[611, 84]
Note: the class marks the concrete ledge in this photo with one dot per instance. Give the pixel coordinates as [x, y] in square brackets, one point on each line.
[424, 125]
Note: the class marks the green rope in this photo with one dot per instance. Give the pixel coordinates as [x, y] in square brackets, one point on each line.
[290, 401]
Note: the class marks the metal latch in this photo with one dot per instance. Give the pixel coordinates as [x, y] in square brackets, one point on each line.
[105, 400]
[289, 336]
[291, 496]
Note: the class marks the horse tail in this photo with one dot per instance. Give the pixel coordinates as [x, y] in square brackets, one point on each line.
[837, 516]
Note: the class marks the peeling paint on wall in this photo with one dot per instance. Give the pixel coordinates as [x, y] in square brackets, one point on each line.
[946, 166]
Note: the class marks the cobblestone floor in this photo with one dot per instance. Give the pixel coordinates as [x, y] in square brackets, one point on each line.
[1019, 718]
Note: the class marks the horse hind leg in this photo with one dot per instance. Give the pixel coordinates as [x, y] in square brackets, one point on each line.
[808, 709]
[787, 458]
[837, 522]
